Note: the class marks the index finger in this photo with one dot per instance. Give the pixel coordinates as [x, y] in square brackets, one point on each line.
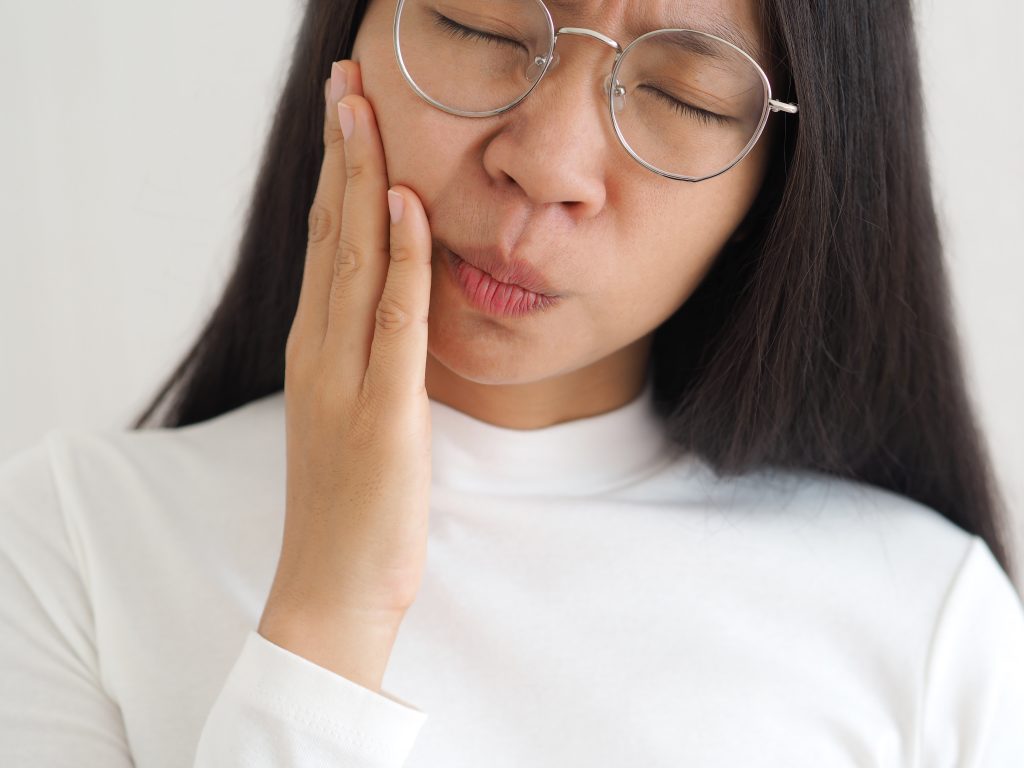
[325, 213]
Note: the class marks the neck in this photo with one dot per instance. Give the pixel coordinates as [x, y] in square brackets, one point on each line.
[591, 390]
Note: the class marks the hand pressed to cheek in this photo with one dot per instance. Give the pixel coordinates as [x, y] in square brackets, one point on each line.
[385, 265]
[363, 252]
[351, 216]
[353, 549]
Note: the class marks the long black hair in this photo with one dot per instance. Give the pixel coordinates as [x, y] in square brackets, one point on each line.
[823, 339]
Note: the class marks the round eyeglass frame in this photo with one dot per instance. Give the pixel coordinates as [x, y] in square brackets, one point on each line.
[550, 59]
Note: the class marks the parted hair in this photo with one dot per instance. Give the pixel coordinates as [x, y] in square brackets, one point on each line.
[822, 339]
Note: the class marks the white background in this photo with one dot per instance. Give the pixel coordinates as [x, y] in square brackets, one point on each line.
[129, 141]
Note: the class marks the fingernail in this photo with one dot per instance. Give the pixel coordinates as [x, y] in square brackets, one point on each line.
[347, 118]
[396, 204]
[339, 82]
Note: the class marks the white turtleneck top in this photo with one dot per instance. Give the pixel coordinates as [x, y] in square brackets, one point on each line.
[589, 599]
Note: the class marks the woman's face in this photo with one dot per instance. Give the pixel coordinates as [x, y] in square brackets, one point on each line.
[549, 183]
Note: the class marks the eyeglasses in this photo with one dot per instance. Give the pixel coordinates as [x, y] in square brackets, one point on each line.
[685, 104]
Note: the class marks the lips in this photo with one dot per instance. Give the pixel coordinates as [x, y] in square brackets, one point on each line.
[488, 295]
[513, 272]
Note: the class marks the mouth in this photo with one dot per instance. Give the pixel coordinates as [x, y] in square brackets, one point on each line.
[488, 294]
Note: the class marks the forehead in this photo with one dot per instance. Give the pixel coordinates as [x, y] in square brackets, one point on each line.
[734, 20]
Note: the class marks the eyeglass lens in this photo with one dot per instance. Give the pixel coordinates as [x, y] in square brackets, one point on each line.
[684, 102]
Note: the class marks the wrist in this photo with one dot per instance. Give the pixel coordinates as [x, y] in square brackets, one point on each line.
[356, 646]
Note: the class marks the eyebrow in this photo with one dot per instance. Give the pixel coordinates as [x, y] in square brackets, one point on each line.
[713, 23]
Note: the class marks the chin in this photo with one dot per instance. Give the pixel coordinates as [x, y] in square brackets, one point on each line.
[480, 363]
[492, 350]
[483, 360]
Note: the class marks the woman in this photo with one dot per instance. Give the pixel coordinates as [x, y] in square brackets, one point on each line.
[685, 426]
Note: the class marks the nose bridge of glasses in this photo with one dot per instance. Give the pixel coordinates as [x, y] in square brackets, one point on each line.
[582, 32]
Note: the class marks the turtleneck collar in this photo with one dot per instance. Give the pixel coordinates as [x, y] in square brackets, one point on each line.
[580, 457]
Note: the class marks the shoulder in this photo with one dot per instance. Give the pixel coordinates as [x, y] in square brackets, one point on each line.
[899, 540]
[813, 509]
[867, 545]
[254, 425]
[31, 512]
[243, 434]
[80, 478]
[973, 692]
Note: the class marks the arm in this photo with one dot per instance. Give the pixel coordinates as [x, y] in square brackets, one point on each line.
[54, 710]
[973, 702]
[305, 690]
[279, 709]
[276, 709]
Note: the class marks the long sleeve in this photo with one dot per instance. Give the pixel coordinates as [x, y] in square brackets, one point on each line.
[54, 710]
[973, 713]
[133, 568]
[275, 709]
[278, 709]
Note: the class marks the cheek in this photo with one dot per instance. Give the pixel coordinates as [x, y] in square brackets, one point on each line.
[646, 293]
[415, 144]
[423, 146]
[672, 240]
[412, 133]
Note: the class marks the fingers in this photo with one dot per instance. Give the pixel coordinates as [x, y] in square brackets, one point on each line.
[325, 213]
[398, 355]
[361, 260]
[365, 293]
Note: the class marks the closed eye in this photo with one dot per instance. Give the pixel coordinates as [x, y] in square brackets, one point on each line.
[456, 30]
[703, 115]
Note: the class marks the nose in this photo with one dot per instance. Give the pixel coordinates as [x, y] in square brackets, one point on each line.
[558, 143]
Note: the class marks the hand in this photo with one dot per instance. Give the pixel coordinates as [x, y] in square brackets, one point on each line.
[356, 408]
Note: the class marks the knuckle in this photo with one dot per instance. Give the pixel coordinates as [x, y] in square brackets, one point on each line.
[348, 260]
[390, 317]
[402, 252]
[321, 222]
[333, 137]
[355, 170]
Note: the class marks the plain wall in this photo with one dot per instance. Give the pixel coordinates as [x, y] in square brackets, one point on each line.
[130, 139]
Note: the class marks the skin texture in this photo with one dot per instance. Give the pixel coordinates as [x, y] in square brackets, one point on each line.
[357, 416]
[550, 180]
[379, 330]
